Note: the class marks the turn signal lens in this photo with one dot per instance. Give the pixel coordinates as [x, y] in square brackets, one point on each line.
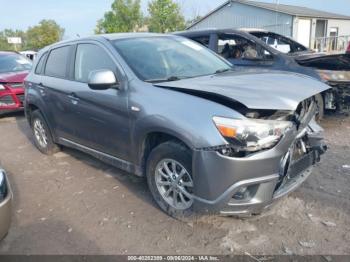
[227, 131]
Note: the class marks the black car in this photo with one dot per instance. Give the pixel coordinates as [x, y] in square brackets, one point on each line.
[257, 48]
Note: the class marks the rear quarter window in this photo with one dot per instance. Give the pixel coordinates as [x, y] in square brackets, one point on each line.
[57, 62]
[40, 66]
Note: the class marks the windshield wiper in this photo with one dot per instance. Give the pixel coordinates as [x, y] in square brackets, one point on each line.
[223, 70]
[169, 79]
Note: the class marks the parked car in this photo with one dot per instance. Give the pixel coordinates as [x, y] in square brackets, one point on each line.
[208, 138]
[250, 50]
[13, 69]
[5, 204]
[30, 54]
[348, 49]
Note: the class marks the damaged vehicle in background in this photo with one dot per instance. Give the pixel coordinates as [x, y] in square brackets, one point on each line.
[208, 138]
[245, 51]
[13, 69]
[5, 204]
[334, 69]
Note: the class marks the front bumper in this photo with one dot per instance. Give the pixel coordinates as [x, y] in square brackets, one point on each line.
[5, 209]
[266, 175]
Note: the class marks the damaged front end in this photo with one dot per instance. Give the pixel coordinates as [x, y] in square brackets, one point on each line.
[337, 98]
[260, 175]
[335, 71]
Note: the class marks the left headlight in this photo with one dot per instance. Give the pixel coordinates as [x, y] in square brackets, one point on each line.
[3, 185]
[252, 135]
[2, 87]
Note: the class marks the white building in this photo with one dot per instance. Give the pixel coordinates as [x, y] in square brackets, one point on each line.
[308, 26]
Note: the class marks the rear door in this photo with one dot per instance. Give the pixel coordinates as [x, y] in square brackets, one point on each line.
[55, 89]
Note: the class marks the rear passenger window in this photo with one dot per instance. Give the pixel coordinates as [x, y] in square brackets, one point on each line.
[90, 58]
[40, 66]
[56, 64]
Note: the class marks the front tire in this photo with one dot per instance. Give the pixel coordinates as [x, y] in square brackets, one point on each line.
[169, 177]
[42, 135]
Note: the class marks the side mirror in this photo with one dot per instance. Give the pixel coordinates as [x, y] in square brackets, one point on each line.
[102, 80]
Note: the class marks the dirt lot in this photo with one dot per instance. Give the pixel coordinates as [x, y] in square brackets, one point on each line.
[70, 203]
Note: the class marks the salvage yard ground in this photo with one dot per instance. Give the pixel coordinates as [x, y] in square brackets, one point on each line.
[71, 203]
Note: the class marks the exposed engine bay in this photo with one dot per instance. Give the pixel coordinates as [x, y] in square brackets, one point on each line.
[335, 71]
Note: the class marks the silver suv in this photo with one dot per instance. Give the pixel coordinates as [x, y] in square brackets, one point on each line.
[207, 137]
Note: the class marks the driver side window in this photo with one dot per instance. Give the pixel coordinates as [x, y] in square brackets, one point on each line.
[232, 46]
[90, 57]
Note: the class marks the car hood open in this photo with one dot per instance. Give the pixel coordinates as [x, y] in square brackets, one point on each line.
[335, 62]
[255, 90]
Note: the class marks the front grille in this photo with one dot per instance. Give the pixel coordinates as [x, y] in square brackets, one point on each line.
[6, 101]
[15, 85]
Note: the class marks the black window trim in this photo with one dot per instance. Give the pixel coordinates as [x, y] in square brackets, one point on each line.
[66, 76]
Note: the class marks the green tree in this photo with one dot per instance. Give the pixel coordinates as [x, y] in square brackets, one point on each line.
[45, 33]
[165, 16]
[4, 45]
[125, 16]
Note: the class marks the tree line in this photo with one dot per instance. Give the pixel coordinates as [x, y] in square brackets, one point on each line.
[35, 38]
[124, 16]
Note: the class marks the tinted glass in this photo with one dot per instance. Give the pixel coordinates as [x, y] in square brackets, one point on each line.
[161, 58]
[57, 62]
[90, 58]
[203, 40]
[231, 46]
[12, 62]
[40, 67]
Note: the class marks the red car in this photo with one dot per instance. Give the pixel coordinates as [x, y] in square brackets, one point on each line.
[13, 69]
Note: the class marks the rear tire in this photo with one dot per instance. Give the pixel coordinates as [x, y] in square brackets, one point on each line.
[172, 191]
[42, 135]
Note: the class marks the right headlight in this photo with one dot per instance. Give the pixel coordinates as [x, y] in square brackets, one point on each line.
[251, 135]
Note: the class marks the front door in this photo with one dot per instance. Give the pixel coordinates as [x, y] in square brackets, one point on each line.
[102, 121]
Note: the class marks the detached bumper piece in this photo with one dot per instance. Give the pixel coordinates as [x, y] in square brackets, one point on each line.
[5, 204]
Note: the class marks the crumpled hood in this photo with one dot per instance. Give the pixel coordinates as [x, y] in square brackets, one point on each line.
[268, 90]
[13, 77]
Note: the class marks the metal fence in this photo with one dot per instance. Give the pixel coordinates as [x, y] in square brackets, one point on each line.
[331, 44]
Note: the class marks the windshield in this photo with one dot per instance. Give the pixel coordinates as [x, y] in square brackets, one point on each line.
[156, 59]
[14, 63]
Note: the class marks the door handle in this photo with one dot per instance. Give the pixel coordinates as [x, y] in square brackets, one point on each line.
[41, 89]
[74, 99]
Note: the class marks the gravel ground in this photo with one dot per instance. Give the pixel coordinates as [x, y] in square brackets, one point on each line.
[71, 203]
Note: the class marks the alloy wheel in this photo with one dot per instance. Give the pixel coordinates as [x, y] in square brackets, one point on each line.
[174, 184]
[40, 133]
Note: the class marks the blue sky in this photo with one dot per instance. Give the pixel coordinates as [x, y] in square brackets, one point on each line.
[80, 16]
